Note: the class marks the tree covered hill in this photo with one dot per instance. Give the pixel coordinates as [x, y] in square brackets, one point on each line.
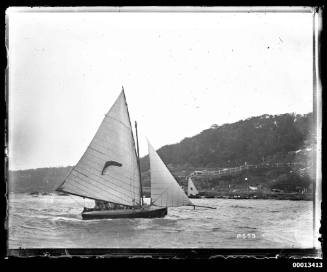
[268, 138]
[37, 180]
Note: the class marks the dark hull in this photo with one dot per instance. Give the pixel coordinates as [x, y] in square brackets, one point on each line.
[194, 196]
[144, 212]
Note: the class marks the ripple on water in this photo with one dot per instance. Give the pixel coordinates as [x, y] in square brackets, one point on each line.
[216, 229]
[241, 207]
[34, 222]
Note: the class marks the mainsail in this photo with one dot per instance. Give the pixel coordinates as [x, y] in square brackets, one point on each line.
[108, 170]
[191, 189]
[165, 191]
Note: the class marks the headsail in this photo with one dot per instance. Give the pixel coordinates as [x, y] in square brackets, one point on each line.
[108, 170]
[165, 191]
[191, 189]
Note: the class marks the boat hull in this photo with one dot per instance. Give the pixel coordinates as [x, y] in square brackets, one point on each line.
[194, 196]
[144, 212]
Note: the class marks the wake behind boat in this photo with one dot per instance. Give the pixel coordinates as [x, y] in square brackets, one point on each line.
[109, 173]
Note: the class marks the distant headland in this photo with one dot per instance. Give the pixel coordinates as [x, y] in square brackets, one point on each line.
[268, 156]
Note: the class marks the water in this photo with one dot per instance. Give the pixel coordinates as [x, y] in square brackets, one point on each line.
[52, 221]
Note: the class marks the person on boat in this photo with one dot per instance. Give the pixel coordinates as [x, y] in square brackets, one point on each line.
[117, 206]
[108, 206]
[104, 205]
[99, 205]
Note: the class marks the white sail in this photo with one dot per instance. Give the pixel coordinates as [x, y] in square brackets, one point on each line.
[165, 191]
[108, 170]
[191, 189]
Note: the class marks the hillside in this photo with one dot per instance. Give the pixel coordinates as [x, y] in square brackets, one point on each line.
[266, 138]
[37, 180]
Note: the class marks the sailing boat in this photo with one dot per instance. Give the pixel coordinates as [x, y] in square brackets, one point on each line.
[192, 192]
[109, 172]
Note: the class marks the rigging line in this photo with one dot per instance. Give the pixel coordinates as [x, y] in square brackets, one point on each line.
[102, 189]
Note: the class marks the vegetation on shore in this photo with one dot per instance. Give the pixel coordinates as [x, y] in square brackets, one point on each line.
[256, 140]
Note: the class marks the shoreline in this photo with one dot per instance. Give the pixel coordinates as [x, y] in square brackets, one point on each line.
[208, 195]
[277, 196]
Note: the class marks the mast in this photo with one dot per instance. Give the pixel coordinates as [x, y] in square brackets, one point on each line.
[138, 163]
[136, 151]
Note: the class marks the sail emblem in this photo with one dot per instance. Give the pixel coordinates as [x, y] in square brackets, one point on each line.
[109, 163]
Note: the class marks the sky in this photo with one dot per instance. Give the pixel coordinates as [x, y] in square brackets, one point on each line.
[182, 72]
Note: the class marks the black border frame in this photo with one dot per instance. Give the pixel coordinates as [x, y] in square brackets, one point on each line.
[186, 253]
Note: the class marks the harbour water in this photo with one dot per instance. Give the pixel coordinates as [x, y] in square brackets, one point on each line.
[52, 221]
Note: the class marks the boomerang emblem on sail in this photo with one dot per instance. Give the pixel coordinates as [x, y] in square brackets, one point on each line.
[109, 163]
